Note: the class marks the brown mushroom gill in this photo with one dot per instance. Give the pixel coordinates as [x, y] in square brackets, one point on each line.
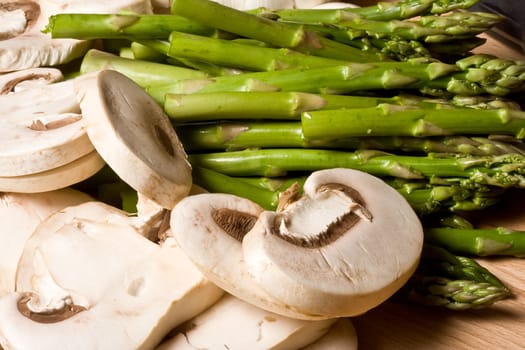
[237, 223]
[31, 11]
[51, 316]
[346, 208]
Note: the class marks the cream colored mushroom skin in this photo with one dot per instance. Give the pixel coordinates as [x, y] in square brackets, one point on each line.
[345, 246]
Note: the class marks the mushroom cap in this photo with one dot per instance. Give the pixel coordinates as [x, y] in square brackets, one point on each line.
[347, 272]
[60, 177]
[125, 292]
[218, 327]
[134, 136]
[20, 214]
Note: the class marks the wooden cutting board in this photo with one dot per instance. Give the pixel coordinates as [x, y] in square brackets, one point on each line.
[394, 326]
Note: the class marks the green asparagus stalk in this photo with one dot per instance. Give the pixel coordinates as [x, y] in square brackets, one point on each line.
[278, 34]
[144, 73]
[424, 199]
[477, 241]
[238, 55]
[229, 136]
[382, 11]
[454, 282]
[122, 26]
[475, 75]
[392, 120]
[431, 29]
[241, 105]
[427, 198]
[290, 105]
[503, 171]
[216, 182]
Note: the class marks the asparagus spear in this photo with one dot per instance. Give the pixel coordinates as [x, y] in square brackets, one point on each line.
[479, 242]
[431, 29]
[503, 171]
[243, 56]
[290, 105]
[382, 11]
[475, 75]
[424, 199]
[392, 120]
[455, 282]
[240, 135]
[88, 26]
[144, 73]
[278, 34]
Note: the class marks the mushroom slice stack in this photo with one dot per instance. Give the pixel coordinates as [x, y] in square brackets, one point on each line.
[134, 136]
[45, 145]
[20, 214]
[218, 327]
[88, 280]
[344, 247]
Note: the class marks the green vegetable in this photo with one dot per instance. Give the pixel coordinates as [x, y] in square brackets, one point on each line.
[455, 282]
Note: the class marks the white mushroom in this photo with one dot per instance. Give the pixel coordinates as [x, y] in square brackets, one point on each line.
[20, 214]
[88, 280]
[236, 325]
[343, 248]
[22, 43]
[134, 136]
[27, 78]
[63, 176]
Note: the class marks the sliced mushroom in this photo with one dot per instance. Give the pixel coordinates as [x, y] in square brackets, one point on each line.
[20, 214]
[134, 136]
[23, 45]
[350, 230]
[56, 178]
[341, 336]
[341, 249]
[236, 325]
[217, 223]
[42, 134]
[24, 79]
[88, 280]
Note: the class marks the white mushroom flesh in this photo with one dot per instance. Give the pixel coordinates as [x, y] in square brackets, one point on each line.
[20, 214]
[88, 280]
[236, 325]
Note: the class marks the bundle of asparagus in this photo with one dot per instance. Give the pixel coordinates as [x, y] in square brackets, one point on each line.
[260, 99]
